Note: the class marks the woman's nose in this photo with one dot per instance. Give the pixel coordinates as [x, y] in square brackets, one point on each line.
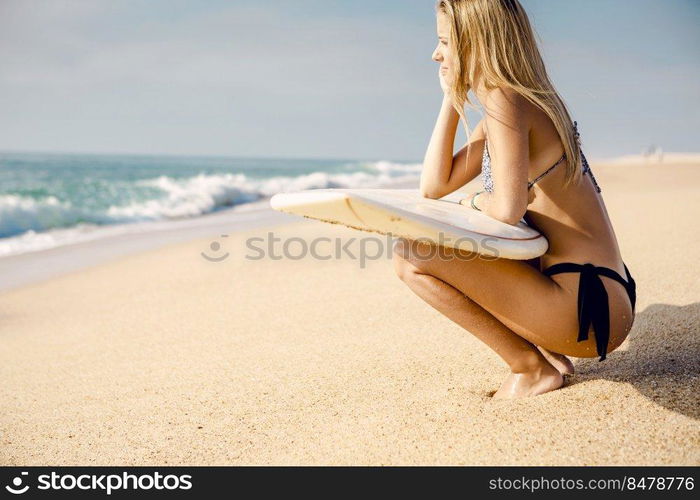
[437, 57]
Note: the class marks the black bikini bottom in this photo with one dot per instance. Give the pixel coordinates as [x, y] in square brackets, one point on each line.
[593, 299]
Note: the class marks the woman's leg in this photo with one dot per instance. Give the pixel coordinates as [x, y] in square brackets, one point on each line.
[559, 361]
[531, 374]
[517, 352]
[507, 304]
[527, 302]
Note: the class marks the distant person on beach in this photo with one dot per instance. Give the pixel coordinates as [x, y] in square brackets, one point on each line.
[578, 299]
[653, 153]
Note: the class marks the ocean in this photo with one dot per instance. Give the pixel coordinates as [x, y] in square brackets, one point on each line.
[48, 200]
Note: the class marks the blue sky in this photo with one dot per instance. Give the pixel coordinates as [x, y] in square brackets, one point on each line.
[320, 79]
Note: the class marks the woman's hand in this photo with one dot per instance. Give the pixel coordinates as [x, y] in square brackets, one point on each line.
[444, 84]
[467, 202]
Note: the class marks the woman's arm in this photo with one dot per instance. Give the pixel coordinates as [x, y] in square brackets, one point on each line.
[444, 172]
[508, 129]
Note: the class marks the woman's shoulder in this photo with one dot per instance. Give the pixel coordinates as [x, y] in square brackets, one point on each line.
[504, 98]
[507, 106]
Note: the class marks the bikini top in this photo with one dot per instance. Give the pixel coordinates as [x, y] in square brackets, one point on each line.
[486, 166]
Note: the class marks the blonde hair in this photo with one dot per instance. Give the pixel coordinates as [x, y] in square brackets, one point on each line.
[494, 37]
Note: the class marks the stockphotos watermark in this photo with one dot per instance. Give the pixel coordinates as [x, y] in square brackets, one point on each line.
[106, 483]
[362, 249]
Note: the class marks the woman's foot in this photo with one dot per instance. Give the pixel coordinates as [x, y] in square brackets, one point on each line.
[543, 378]
[558, 361]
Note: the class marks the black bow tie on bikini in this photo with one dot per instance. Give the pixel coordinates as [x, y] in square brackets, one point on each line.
[593, 300]
[593, 309]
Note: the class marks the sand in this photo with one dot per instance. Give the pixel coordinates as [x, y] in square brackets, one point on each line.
[165, 358]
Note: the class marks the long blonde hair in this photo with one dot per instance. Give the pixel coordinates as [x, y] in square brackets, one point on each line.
[494, 37]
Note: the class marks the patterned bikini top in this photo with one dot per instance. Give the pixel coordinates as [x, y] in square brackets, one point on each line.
[486, 166]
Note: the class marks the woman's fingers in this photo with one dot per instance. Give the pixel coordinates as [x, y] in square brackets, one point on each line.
[467, 201]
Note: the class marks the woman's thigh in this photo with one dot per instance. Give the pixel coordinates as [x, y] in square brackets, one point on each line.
[533, 305]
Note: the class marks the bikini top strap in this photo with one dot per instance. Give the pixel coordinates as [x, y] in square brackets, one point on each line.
[585, 167]
[533, 182]
[563, 157]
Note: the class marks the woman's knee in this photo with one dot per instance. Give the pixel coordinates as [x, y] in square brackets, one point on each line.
[413, 251]
[402, 266]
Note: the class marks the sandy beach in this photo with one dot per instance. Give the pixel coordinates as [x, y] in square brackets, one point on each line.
[163, 357]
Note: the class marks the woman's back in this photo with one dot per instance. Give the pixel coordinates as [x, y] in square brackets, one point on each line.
[573, 218]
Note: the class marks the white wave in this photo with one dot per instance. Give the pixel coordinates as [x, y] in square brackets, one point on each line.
[394, 169]
[31, 241]
[28, 224]
[21, 213]
[388, 173]
[188, 197]
[205, 193]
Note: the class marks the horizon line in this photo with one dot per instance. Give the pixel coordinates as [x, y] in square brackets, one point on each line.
[601, 159]
[199, 155]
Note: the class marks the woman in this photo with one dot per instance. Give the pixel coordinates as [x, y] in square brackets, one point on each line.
[576, 300]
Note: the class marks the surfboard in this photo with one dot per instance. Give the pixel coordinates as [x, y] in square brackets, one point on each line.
[406, 213]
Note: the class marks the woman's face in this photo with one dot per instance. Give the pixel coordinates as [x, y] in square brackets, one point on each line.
[442, 53]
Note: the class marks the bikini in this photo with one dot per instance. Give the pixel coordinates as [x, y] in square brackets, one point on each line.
[593, 306]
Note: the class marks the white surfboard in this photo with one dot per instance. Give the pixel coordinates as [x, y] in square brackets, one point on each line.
[406, 213]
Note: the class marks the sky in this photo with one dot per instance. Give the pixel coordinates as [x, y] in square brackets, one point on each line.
[347, 79]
